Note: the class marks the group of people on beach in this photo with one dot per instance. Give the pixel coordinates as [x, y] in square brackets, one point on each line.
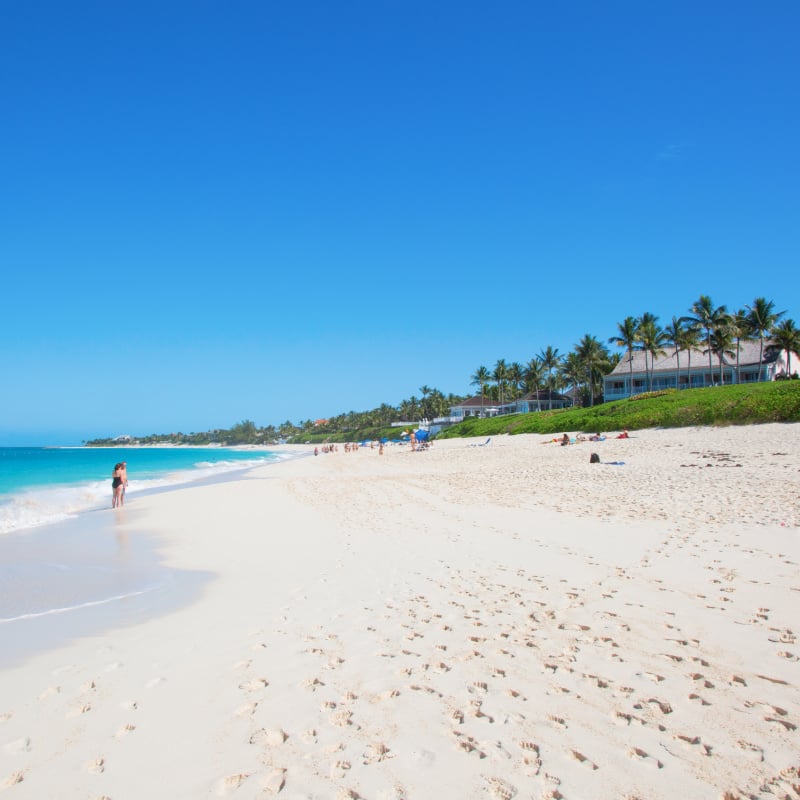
[565, 440]
[119, 480]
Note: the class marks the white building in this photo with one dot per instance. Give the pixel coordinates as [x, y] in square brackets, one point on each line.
[629, 377]
[478, 406]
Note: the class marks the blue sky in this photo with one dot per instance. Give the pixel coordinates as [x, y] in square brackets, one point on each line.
[217, 211]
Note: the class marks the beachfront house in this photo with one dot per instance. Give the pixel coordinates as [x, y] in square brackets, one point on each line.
[478, 406]
[543, 400]
[629, 377]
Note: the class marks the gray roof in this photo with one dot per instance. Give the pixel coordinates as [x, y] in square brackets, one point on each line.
[544, 395]
[478, 402]
[748, 356]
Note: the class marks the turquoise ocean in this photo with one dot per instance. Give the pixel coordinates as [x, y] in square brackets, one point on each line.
[41, 485]
[72, 567]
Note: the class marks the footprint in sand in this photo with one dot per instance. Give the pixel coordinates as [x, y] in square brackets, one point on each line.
[124, 731]
[788, 655]
[18, 746]
[582, 759]
[247, 710]
[270, 737]
[339, 769]
[702, 701]
[693, 741]
[784, 723]
[469, 745]
[254, 685]
[750, 749]
[342, 719]
[645, 757]
[663, 706]
[501, 789]
[13, 779]
[274, 781]
[231, 782]
[375, 753]
[97, 766]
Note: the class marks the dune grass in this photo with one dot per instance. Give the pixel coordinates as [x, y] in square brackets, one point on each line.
[720, 405]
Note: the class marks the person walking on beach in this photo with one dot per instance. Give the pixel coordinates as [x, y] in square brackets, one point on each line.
[116, 486]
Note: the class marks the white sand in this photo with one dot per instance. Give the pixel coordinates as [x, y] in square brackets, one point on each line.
[467, 622]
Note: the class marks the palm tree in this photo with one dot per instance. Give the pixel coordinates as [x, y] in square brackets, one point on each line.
[515, 372]
[674, 336]
[651, 337]
[481, 378]
[405, 410]
[689, 341]
[627, 336]
[740, 329]
[425, 390]
[550, 359]
[534, 371]
[708, 318]
[594, 357]
[572, 371]
[500, 376]
[721, 344]
[786, 339]
[763, 318]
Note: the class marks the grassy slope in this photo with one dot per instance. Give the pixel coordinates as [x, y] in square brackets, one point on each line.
[721, 405]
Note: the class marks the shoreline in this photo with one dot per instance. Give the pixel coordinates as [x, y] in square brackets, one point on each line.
[62, 488]
[90, 573]
[498, 621]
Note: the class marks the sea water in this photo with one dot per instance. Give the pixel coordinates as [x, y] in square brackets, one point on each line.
[70, 566]
[41, 485]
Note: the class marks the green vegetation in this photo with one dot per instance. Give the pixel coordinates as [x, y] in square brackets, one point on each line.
[244, 432]
[720, 405]
[359, 435]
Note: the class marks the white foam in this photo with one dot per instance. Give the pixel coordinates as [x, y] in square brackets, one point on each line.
[89, 604]
[45, 505]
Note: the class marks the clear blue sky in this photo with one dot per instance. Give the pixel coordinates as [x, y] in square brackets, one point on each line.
[216, 211]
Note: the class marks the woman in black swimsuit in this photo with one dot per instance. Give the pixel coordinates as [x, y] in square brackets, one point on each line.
[116, 486]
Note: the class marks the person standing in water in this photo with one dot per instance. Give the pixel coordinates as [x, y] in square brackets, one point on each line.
[124, 476]
[116, 486]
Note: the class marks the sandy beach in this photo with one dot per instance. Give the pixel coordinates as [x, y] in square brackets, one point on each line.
[499, 621]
